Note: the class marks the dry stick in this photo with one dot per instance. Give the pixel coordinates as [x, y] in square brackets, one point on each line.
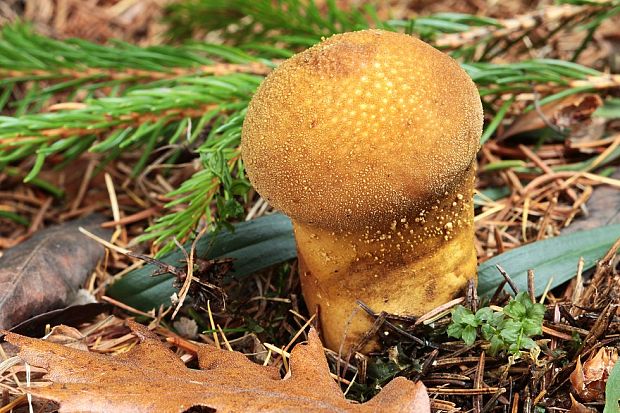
[600, 326]
[578, 290]
[103, 242]
[515, 403]
[471, 298]
[478, 381]
[547, 288]
[509, 176]
[189, 277]
[492, 401]
[361, 362]
[539, 397]
[77, 201]
[286, 355]
[228, 347]
[527, 402]
[215, 338]
[392, 326]
[451, 361]
[301, 330]
[38, 218]
[499, 243]
[526, 209]
[114, 205]
[443, 405]
[530, 285]
[507, 278]
[465, 392]
[428, 364]
[130, 219]
[180, 342]
[438, 310]
[125, 306]
[83, 211]
[573, 175]
[606, 261]
[599, 159]
[547, 216]
[12, 373]
[592, 144]
[580, 204]
[545, 168]
[498, 291]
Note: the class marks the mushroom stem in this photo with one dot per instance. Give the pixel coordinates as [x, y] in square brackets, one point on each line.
[407, 266]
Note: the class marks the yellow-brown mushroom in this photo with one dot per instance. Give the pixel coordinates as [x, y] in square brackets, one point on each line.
[367, 141]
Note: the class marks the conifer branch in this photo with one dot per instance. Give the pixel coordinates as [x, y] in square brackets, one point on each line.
[254, 23]
[217, 69]
[131, 97]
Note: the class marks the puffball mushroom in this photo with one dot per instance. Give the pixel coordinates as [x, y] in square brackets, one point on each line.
[367, 141]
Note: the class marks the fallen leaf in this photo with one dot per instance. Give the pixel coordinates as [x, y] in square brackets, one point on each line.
[43, 272]
[571, 113]
[70, 316]
[589, 379]
[151, 378]
[576, 407]
[67, 336]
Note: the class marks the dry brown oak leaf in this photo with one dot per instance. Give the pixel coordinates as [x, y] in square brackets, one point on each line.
[151, 378]
[44, 272]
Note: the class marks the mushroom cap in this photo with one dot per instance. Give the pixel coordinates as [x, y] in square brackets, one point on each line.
[361, 128]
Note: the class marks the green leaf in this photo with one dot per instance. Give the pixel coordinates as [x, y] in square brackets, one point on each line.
[470, 320]
[459, 313]
[455, 330]
[555, 257]
[527, 343]
[511, 331]
[496, 345]
[612, 391]
[515, 310]
[524, 298]
[254, 245]
[532, 327]
[514, 349]
[469, 335]
[484, 314]
[536, 312]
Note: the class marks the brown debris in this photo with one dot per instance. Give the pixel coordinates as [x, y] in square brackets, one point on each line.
[227, 381]
[589, 379]
[44, 272]
[137, 21]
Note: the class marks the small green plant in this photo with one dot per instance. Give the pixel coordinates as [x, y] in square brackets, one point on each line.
[510, 329]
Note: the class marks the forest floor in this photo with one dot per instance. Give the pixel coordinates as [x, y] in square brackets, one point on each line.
[515, 205]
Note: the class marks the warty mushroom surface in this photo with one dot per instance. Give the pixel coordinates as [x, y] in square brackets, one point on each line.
[368, 141]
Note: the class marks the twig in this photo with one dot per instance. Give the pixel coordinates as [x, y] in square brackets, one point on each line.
[504, 274]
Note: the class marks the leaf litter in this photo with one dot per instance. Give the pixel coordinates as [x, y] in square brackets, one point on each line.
[151, 378]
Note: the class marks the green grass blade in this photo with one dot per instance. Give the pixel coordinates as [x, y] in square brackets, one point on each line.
[269, 240]
[255, 245]
[554, 257]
